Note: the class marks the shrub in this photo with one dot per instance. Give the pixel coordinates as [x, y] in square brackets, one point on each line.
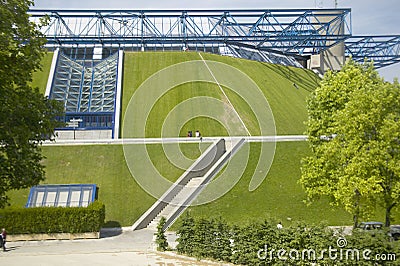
[161, 240]
[261, 243]
[53, 219]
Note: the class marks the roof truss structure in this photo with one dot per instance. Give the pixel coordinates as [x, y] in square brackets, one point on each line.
[85, 89]
[290, 31]
[287, 31]
[383, 50]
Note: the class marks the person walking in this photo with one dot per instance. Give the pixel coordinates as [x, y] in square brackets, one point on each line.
[3, 238]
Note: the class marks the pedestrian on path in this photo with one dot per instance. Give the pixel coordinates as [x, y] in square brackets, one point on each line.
[3, 238]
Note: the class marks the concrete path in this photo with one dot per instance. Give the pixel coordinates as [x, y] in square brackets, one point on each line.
[283, 138]
[114, 248]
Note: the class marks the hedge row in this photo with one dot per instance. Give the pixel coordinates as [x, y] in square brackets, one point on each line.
[45, 220]
[265, 244]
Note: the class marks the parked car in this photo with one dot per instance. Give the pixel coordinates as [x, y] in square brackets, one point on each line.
[370, 226]
[394, 231]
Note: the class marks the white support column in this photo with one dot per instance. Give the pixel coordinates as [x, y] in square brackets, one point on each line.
[118, 96]
[52, 72]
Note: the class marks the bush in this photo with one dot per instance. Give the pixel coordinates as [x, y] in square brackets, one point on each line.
[202, 238]
[261, 243]
[161, 240]
[44, 220]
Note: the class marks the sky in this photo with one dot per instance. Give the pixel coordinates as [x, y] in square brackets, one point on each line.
[368, 17]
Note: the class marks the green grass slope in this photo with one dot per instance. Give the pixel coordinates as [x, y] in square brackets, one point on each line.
[105, 166]
[287, 102]
[276, 83]
[40, 77]
[279, 196]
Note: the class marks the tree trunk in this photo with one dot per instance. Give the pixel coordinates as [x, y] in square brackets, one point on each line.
[355, 220]
[356, 208]
[387, 218]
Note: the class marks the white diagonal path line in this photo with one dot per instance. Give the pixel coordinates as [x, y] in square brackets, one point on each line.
[226, 96]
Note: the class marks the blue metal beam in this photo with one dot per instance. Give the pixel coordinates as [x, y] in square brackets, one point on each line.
[382, 50]
[286, 31]
[291, 31]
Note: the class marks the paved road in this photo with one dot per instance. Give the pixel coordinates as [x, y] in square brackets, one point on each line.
[114, 248]
[174, 140]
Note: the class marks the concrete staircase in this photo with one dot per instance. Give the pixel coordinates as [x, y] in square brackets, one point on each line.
[179, 199]
[180, 195]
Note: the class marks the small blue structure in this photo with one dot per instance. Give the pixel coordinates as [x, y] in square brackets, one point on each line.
[74, 195]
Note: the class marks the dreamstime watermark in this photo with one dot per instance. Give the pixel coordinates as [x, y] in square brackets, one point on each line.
[338, 253]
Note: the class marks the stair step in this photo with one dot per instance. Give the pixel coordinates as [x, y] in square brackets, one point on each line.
[177, 201]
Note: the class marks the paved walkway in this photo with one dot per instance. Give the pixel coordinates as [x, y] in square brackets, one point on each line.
[282, 138]
[114, 248]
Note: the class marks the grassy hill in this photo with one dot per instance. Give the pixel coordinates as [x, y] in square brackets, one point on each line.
[276, 83]
[280, 196]
[39, 78]
[105, 166]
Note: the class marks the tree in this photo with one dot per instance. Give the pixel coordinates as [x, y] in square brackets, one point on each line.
[354, 135]
[27, 118]
[161, 239]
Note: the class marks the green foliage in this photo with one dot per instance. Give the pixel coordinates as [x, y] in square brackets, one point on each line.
[185, 232]
[262, 243]
[354, 135]
[203, 238]
[375, 242]
[26, 117]
[161, 240]
[53, 219]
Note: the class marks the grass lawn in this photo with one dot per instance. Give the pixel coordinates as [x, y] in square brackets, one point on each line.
[279, 197]
[40, 77]
[185, 119]
[105, 166]
[276, 83]
[288, 103]
[139, 66]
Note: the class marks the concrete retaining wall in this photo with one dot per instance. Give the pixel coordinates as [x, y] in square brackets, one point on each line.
[58, 236]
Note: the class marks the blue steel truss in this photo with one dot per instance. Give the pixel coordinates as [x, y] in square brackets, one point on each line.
[286, 31]
[289, 31]
[87, 87]
[383, 50]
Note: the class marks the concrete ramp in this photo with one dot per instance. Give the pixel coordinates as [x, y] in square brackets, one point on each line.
[182, 193]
